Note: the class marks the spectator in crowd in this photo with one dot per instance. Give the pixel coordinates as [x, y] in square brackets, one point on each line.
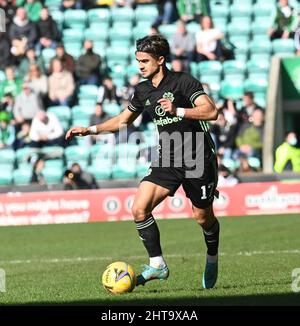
[177, 65]
[46, 130]
[287, 155]
[182, 45]
[107, 91]
[27, 104]
[225, 177]
[32, 7]
[243, 165]
[7, 132]
[285, 21]
[249, 140]
[38, 82]
[61, 84]
[208, 41]
[224, 136]
[5, 55]
[9, 8]
[47, 30]
[88, 65]
[192, 9]
[124, 3]
[37, 171]
[166, 11]
[228, 108]
[30, 59]
[66, 59]
[22, 33]
[129, 88]
[248, 107]
[98, 117]
[75, 178]
[7, 103]
[11, 84]
[23, 136]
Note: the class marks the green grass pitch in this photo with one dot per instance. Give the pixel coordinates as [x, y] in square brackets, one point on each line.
[63, 264]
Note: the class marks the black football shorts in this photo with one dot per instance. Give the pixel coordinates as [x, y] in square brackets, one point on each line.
[201, 191]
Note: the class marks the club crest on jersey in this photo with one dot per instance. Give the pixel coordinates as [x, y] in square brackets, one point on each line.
[169, 96]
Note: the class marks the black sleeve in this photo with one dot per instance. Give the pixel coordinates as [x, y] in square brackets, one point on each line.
[135, 105]
[191, 87]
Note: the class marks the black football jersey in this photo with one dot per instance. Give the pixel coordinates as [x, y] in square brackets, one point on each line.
[182, 90]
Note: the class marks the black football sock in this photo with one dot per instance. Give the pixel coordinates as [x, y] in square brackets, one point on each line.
[149, 234]
[211, 237]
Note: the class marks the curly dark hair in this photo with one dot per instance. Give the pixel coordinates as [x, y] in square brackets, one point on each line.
[155, 45]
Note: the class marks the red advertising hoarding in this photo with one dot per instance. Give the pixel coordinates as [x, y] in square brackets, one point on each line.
[115, 204]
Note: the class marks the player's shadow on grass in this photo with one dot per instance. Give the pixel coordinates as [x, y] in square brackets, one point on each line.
[286, 299]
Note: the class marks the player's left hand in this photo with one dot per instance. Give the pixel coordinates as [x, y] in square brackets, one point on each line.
[167, 105]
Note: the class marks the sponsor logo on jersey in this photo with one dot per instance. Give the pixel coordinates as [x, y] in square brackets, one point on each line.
[166, 121]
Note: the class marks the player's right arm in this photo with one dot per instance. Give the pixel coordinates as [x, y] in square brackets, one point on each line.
[114, 124]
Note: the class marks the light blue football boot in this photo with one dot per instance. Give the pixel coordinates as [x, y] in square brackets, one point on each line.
[151, 273]
[210, 275]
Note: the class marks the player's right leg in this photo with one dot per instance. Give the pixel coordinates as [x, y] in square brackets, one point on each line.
[149, 195]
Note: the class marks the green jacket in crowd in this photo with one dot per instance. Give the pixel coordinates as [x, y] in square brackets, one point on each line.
[284, 154]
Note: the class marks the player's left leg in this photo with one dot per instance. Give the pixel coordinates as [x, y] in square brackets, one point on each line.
[206, 219]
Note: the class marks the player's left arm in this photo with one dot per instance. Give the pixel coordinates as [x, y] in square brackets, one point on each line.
[204, 109]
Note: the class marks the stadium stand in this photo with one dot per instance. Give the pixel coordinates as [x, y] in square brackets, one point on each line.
[113, 31]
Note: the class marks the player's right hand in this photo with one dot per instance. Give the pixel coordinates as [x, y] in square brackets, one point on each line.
[77, 131]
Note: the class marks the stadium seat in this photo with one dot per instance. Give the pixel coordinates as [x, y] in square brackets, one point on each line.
[54, 163]
[240, 9]
[234, 29]
[63, 113]
[76, 152]
[260, 27]
[168, 30]
[256, 85]
[254, 162]
[231, 89]
[260, 46]
[96, 34]
[99, 15]
[47, 55]
[255, 66]
[74, 48]
[219, 10]
[260, 56]
[53, 174]
[72, 35]
[112, 109]
[103, 152]
[22, 176]
[117, 71]
[84, 112]
[53, 4]
[132, 70]
[127, 151]
[58, 17]
[86, 102]
[229, 163]
[88, 91]
[193, 28]
[283, 46]
[220, 23]
[142, 169]
[6, 174]
[233, 69]
[146, 13]
[125, 14]
[100, 171]
[52, 151]
[25, 153]
[264, 9]
[7, 156]
[210, 68]
[75, 18]
[138, 33]
[123, 171]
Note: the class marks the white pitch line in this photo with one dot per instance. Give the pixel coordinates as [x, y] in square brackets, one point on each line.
[102, 258]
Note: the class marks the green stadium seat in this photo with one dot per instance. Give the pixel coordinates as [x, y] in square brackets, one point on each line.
[260, 99]
[54, 163]
[2, 76]
[132, 70]
[260, 56]
[7, 156]
[122, 25]
[146, 13]
[88, 91]
[82, 162]
[95, 35]
[53, 174]
[100, 171]
[258, 66]
[219, 10]
[47, 55]
[86, 102]
[6, 174]
[117, 54]
[230, 164]
[233, 67]
[58, 17]
[74, 48]
[258, 46]
[283, 46]
[101, 27]
[138, 32]
[62, 112]
[52, 151]
[231, 89]
[221, 23]
[80, 122]
[123, 171]
[264, 9]
[241, 44]
[25, 153]
[210, 68]
[125, 43]
[126, 151]
[84, 112]
[193, 28]
[168, 30]
[260, 27]
[125, 14]
[72, 35]
[104, 152]
[53, 5]
[112, 109]
[238, 29]
[99, 15]
[245, 2]
[117, 71]
[256, 85]
[254, 162]
[142, 169]
[22, 176]
[120, 35]
[240, 9]
[76, 152]
[75, 18]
